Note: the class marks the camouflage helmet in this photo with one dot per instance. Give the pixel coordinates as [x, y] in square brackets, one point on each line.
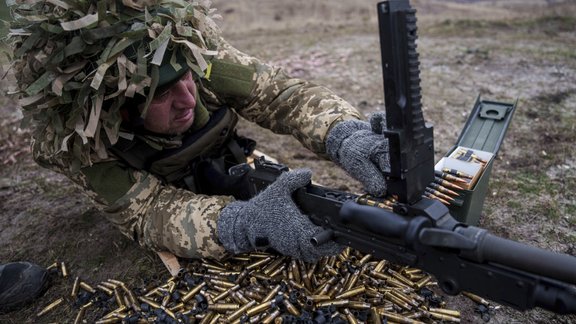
[78, 61]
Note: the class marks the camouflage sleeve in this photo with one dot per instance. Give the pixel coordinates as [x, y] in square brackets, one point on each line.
[157, 216]
[287, 105]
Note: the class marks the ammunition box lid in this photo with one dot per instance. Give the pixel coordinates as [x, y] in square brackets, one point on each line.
[487, 125]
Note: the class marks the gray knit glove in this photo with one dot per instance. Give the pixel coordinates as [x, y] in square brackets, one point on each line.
[361, 150]
[272, 220]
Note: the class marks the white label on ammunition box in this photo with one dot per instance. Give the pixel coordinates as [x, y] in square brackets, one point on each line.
[468, 161]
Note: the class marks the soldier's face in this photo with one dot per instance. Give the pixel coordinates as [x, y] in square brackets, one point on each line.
[172, 110]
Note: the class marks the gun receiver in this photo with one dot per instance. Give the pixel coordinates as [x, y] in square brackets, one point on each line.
[410, 139]
[426, 236]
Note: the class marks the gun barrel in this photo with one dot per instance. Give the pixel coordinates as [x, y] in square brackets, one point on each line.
[531, 259]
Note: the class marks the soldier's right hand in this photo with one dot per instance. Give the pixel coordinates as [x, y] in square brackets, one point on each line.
[271, 220]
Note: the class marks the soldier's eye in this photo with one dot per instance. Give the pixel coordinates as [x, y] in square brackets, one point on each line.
[160, 97]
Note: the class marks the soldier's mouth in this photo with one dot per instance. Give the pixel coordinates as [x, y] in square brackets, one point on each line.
[185, 116]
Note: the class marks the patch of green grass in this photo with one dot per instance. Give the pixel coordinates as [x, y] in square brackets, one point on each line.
[550, 25]
[532, 183]
[550, 209]
[514, 204]
[570, 213]
[468, 27]
[532, 187]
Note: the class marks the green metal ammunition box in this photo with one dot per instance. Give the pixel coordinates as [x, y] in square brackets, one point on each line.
[483, 132]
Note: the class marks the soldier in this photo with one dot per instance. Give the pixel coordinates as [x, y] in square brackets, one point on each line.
[137, 104]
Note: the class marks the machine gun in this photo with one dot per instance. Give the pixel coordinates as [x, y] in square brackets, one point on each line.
[418, 231]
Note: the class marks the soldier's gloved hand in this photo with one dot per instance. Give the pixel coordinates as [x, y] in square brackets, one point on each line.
[272, 220]
[361, 149]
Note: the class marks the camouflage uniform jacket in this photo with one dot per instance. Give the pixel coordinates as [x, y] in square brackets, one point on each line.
[165, 218]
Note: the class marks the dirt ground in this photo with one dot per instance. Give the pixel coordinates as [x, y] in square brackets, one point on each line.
[502, 50]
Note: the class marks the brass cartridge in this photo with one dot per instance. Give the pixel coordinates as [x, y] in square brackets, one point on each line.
[253, 294]
[258, 263]
[364, 259]
[277, 272]
[306, 280]
[225, 293]
[87, 287]
[439, 194]
[397, 301]
[476, 299]
[358, 305]
[272, 293]
[423, 282]
[149, 302]
[444, 317]
[337, 303]
[449, 177]
[81, 312]
[235, 315]
[216, 319]
[118, 312]
[457, 173]
[352, 292]
[224, 307]
[63, 269]
[336, 289]
[406, 299]
[222, 283]
[379, 275]
[444, 311]
[371, 292]
[270, 318]
[107, 290]
[318, 298]
[443, 189]
[380, 266]
[117, 282]
[50, 306]
[257, 309]
[75, 287]
[177, 308]
[331, 271]
[349, 317]
[193, 292]
[109, 320]
[240, 258]
[469, 154]
[295, 271]
[273, 265]
[238, 296]
[375, 317]
[108, 285]
[208, 317]
[432, 196]
[447, 183]
[290, 307]
[52, 266]
[312, 270]
[119, 298]
[296, 285]
[399, 318]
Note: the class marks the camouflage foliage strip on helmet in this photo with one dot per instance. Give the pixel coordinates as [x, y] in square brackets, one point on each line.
[76, 62]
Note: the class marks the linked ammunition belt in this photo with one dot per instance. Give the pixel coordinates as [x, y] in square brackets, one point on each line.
[266, 288]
